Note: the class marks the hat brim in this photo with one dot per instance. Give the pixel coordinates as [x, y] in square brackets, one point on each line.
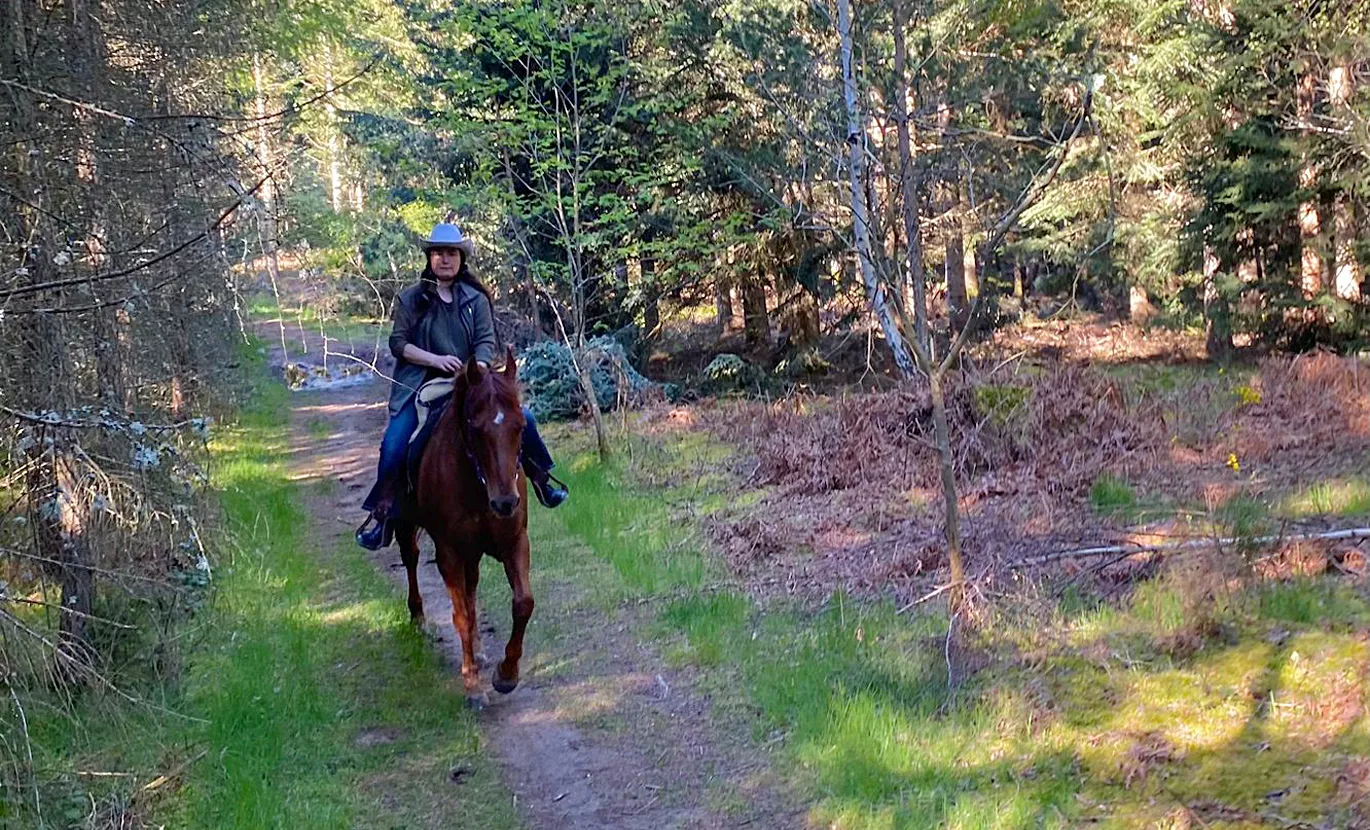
[466, 246]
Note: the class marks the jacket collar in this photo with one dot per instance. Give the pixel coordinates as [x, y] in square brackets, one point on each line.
[461, 292]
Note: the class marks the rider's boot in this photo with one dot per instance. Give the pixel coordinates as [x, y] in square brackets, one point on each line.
[550, 492]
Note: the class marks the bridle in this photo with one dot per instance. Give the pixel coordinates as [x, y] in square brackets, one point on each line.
[469, 445]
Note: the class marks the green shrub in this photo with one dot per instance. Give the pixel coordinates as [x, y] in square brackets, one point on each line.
[730, 373]
[553, 390]
[1000, 402]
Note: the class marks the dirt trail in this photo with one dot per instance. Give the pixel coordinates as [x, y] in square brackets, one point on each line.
[601, 733]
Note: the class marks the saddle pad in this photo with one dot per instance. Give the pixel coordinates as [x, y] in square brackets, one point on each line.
[429, 402]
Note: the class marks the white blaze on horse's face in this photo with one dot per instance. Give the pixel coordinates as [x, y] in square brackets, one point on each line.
[499, 417]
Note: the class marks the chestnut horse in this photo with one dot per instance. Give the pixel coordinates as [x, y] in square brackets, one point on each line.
[473, 501]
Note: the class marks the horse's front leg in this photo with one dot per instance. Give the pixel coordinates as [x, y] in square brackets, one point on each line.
[407, 536]
[516, 566]
[461, 572]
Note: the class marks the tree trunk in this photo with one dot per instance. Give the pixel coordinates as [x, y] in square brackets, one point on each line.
[951, 513]
[335, 182]
[756, 318]
[87, 50]
[1347, 276]
[1310, 224]
[587, 385]
[723, 306]
[651, 306]
[910, 185]
[55, 512]
[958, 301]
[587, 388]
[1217, 317]
[266, 157]
[971, 266]
[856, 143]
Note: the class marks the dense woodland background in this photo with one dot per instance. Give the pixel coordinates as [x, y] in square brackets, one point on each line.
[827, 192]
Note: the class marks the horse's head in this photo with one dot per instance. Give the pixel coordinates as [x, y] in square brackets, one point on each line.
[491, 421]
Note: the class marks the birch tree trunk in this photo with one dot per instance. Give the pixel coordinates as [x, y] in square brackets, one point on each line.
[1346, 280]
[861, 229]
[335, 182]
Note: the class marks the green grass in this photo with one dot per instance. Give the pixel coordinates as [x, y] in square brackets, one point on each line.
[319, 429]
[1109, 495]
[634, 532]
[1190, 691]
[345, 328]
[1348, 497]
[301, 655]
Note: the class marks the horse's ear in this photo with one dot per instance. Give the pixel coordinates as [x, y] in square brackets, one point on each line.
[511, 366]
[474, 372]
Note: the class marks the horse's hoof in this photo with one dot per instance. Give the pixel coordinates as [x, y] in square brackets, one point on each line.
[502, 684]
[417, 620]
[477, 703]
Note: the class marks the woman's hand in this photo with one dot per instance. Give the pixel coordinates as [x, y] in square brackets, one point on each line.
[442, 362]
[446, 363]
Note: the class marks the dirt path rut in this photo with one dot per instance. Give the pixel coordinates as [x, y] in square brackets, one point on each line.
[601, 734]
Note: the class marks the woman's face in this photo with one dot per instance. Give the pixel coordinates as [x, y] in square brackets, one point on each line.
[444, 262]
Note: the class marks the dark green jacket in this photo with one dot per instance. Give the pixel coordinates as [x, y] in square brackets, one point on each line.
[464, 328]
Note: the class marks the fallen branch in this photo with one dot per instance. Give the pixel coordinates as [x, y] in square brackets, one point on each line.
[53, 419]
[1107, 550]
[933, 593]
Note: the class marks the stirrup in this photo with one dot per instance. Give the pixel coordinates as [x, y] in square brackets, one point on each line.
[377, 537]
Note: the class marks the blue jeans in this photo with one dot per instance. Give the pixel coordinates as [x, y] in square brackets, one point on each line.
[396, 441]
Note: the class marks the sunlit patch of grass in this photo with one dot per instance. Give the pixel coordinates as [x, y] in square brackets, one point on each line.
[1338, 497]
[709, 624]
[632, 531]
[319, 429]
[1244, 518]
[345, 328]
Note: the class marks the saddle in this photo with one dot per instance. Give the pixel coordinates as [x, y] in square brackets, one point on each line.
[429, 402]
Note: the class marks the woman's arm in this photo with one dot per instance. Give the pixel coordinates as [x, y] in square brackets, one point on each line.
[400, 331]
[483, 330]
[442, 362]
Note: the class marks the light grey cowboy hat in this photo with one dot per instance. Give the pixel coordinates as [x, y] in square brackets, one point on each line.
[447, 235]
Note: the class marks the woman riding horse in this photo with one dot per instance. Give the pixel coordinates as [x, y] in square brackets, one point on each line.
[441, 323]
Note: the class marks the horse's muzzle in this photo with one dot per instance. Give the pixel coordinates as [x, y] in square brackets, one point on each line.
[504, 506]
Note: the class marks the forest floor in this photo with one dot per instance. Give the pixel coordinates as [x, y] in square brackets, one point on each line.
[603, 732]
